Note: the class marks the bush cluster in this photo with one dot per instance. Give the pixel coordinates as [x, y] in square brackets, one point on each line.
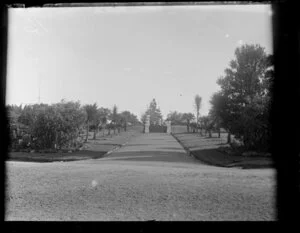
[42, 126]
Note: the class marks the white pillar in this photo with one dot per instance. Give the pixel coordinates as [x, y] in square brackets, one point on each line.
[147, 124]
[168, 127]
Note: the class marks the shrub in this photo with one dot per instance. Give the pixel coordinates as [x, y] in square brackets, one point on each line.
[49, 126]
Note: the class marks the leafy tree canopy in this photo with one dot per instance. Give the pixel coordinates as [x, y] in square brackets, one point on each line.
[129, 117]
[242, 105]
[175, 117]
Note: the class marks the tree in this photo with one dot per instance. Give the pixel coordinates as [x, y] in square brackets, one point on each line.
[218, 113]
[128, 117]
[207, 124]
[91, 111]
[96, 123]
[188, 117]
[193, 126]
[197, 103]
[14, 112]
[103, 114]
[54, 126]
[175, 118]
[114, 117]
[72, 120]
[154, 112]
[46, 128]
[245, 96]
[29, 113]
[221, 113]
[143, 118]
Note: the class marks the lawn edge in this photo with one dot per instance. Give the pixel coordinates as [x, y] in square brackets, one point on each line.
[229, 165]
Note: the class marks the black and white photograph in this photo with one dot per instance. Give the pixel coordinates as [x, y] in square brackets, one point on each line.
[140, 113]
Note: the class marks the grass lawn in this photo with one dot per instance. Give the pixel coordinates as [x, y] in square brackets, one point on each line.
[54, 157]
[206, 150]
[214, 157]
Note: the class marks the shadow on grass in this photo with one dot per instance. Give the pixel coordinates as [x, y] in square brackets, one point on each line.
[172, 148]
[151, 156]
[55, 157]
[216, 158]
[222, 144]
[184, 133]
[108, 144]
[98, 139]
[137, 145]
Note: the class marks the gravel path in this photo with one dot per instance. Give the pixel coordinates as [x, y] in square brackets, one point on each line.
[150, 177]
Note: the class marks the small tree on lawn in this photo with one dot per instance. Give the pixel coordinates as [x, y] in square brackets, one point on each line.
[104, 114]
[188, 117]
[91, 111]
[128, 117]
[207, 124]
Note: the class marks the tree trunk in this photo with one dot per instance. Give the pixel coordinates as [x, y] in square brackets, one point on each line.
[219, 132]
[247, 141]
[55, 143]
[95, 133]
[229, 138]
[87, 132]
[209, 133]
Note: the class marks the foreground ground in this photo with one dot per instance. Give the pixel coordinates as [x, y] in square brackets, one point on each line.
[150, 177]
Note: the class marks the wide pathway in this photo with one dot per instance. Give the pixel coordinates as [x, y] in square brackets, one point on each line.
[150, 177]
[153, 147]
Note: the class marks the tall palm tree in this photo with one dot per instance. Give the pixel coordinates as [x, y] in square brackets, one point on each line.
[114, 117]
[197, 102]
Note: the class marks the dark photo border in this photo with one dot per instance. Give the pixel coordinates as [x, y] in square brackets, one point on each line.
[285, 119]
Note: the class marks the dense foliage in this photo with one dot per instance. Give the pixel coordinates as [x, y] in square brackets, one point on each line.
[43, 126]
[242, 105]
[60, 125]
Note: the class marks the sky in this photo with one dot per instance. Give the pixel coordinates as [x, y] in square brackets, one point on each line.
[128, 55]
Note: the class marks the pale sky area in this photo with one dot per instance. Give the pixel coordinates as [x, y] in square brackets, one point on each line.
[128, 55]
